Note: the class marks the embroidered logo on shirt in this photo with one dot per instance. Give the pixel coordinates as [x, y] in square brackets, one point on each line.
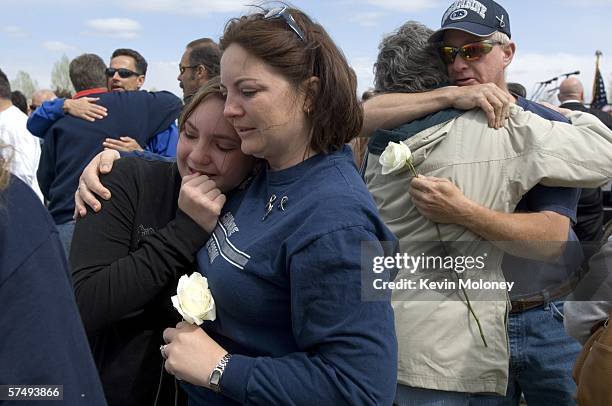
[229, 223]
[142, 232]
[219, 243]
[213, 252]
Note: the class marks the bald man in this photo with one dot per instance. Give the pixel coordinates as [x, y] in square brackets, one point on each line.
[589, 215]
[571, 96]
[39, 97]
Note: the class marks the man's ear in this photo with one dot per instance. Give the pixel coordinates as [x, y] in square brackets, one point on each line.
[509, 51]
[140, 80]
[201, 72]
[311, 88]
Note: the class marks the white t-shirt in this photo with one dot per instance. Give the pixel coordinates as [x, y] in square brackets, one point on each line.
[20, 146]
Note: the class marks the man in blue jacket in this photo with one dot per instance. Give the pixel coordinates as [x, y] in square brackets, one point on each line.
[127, 72]
[72, 142]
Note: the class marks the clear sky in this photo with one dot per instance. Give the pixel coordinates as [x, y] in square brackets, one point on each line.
[553, 36]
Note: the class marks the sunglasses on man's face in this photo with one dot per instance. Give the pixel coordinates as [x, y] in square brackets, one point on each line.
[285, 15]
[469, 52]
[123, 73]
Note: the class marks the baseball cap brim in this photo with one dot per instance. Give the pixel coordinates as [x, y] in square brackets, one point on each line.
[465, 26]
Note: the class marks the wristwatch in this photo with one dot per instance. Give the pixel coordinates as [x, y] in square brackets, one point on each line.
[214, 381]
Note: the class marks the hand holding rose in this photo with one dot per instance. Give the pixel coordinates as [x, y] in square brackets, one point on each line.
[191, 355]
[440, 200]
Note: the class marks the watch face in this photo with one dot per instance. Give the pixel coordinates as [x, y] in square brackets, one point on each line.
[215, 377]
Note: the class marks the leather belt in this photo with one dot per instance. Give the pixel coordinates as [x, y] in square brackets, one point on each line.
[541, 299]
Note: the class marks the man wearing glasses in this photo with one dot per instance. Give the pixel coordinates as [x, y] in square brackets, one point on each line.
[474, 42]
[127, 72]
[199, 63]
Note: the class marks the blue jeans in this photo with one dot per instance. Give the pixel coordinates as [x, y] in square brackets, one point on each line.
[411, 396]
[542, 356]
[65, 234]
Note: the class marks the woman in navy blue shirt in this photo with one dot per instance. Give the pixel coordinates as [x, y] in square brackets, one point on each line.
[284, 264]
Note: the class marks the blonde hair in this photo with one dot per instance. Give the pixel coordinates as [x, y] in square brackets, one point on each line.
[500, 37]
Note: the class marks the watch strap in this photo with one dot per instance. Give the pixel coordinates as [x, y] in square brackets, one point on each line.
[215, 376]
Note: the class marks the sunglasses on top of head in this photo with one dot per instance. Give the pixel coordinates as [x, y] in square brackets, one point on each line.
[123, 73]
[469, 52]
[283, 12]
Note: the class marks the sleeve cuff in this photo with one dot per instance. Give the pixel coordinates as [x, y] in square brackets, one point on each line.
[236, 376]
[562, 210]
[190, 231]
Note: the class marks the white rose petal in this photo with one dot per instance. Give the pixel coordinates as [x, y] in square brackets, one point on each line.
[395, 157]
[194, 300]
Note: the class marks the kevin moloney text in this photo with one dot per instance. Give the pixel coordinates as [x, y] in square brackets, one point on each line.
[427, 284]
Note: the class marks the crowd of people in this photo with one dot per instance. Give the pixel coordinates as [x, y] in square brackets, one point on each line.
[277, 184]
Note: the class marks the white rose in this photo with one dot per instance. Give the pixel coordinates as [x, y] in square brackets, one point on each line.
[395, 157]
[193, 299]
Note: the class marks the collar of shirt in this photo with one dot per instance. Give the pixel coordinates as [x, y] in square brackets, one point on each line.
[88, 92]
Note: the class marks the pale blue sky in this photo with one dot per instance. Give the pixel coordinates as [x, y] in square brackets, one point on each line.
[553, 37]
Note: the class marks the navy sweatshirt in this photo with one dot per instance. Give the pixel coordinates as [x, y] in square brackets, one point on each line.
[288, 291]
[72, 142]
[43, 341]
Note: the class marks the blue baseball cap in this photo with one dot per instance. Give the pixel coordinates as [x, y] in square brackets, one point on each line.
[481, 18]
